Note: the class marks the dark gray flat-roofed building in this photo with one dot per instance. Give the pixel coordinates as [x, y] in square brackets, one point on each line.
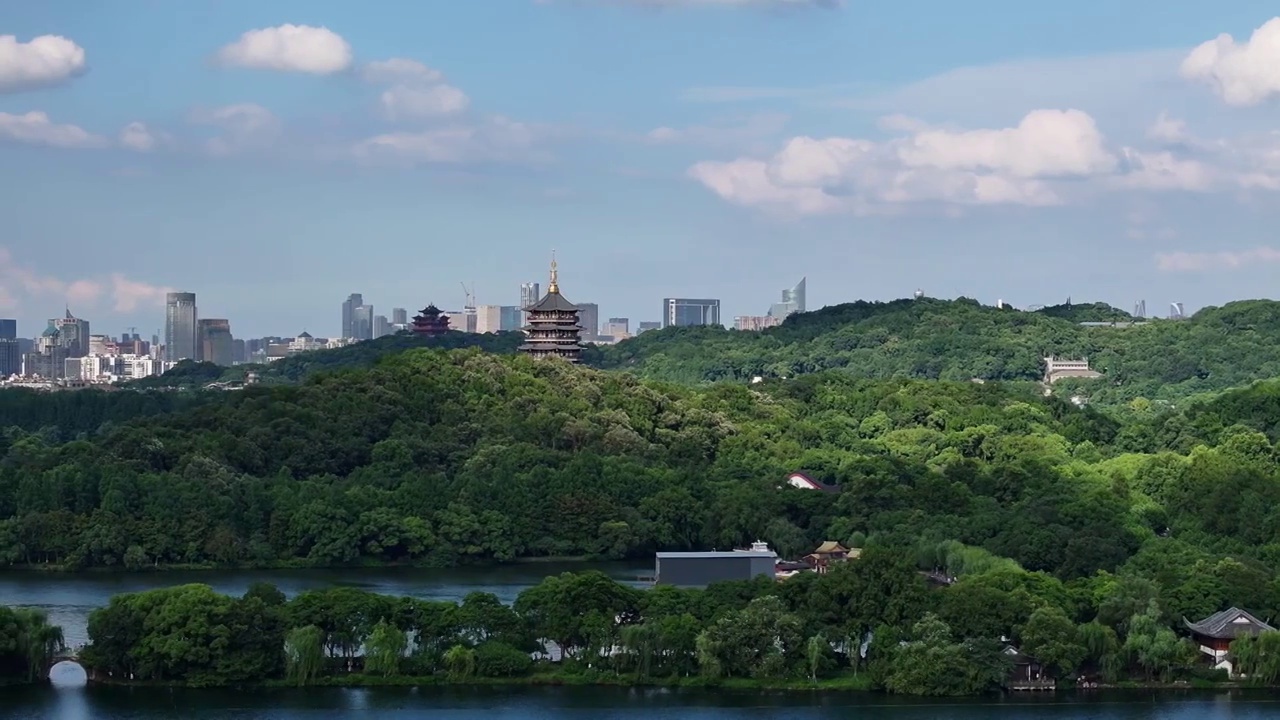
[699, 569]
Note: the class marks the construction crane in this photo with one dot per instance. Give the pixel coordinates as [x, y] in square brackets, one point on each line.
[469, 310]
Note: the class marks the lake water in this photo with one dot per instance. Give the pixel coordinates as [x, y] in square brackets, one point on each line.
[70, 598]
[104, 703]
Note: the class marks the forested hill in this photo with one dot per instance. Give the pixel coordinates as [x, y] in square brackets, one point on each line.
[1218, 348]
[445, 457]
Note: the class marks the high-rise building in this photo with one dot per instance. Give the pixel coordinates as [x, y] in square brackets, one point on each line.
[688, 311]
[353, 301]
[180, 327]
[381, 326]
[617, 325]
[530, 294]
[648, 325]
[239, 352]
[73, 334]
[399, 316]
[590, 320]
[510, 318]
[8, 329]
[792, 302]
[488, 318]
[10, 357]
[617, 328]
[362, 322]
[214, 342]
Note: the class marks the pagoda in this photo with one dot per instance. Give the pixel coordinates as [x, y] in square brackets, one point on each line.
[553, 329]
[431, 322]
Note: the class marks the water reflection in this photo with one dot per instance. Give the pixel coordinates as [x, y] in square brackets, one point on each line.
[67, 674]
[492, 703]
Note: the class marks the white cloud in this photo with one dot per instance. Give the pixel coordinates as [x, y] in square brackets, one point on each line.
[978, 167]
[1164, 171]
[138, 137]
[1169, 131]
[406, 102]
[1223, 260]
[35, 128]
[417, 92]
[289, 48]
[44, 61]
[724, 134]
[399, 70]
[1241, 73]
[1050, 157]
[243, 126]
[19, 284]
[1047, 143]
[498, 140]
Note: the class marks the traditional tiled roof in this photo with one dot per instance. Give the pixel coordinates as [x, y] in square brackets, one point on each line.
[830, 547]
[799, 477]
[1228, 625]
[1017, 656]
[552, 302]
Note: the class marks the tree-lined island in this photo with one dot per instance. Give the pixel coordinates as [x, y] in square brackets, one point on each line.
[1091, 533]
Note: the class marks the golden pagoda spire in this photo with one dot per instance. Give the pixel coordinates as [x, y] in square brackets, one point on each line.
[555, 286]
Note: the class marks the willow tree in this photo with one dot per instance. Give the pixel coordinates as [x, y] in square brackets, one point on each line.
[28, 643]
[384, 650]
[304, 654]
[460, 661]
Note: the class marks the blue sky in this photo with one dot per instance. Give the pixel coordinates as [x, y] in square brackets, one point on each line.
[273, 157]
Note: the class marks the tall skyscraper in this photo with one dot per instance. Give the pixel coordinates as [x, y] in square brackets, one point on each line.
[362, 322]
[589, 319]
[530, 294]
[488, 318]
[353, 301]
[646, 325]
[792, 302]
[8, 329]
[214, 342]
[511, 318]
[10, 357]
[381, 326]
[180, 327]
[399, 316]
[618, 328]
[73, 334]
[689, 311]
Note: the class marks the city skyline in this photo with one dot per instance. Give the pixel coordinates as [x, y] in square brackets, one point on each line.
[273, 152]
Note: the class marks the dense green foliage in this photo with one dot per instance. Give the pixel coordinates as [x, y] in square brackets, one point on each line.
[1218, 348]
[446, 457]
[63, 416]
[1085, 312]
[28, 644]
[875, 616]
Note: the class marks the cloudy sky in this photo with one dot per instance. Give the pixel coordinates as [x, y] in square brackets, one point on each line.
[273, 157]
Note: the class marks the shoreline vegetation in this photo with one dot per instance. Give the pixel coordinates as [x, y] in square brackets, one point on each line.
[806, 633]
